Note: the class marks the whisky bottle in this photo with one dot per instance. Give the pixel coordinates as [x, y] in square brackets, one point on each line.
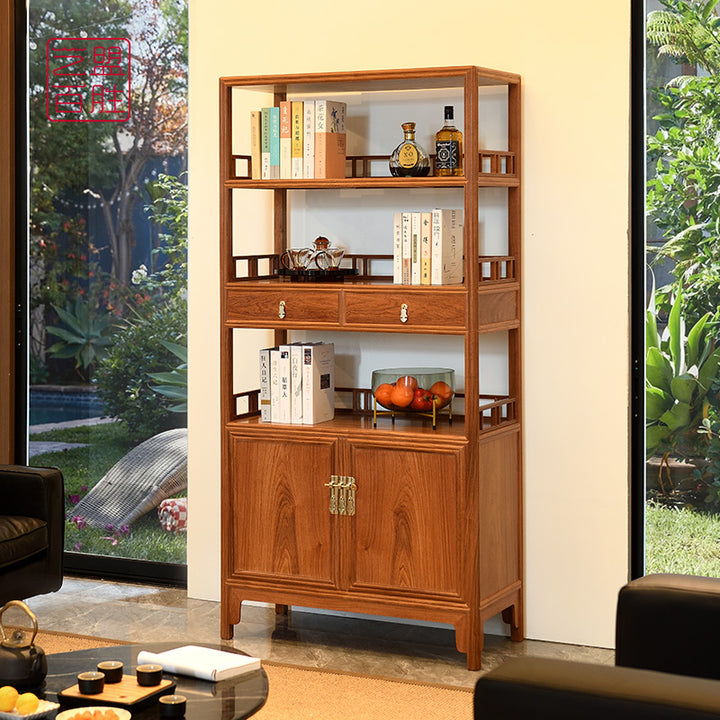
[448, 147]
[408, 158]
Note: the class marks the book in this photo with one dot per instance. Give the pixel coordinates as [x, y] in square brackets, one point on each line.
[255, 162]
[201, 662]
[297, 118]
[406, 248]
[446, 263]
[415, 248]
[397, 248]
[265, 143]
[283, 371]
[274, 384]
[285, 139]
[318, 383]
[265, 407]
[296, 375]
[309, 139]
[274, 143]
[330, 139]
[425, 247]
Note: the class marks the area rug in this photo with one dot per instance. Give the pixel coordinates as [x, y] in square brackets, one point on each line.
[298, 693]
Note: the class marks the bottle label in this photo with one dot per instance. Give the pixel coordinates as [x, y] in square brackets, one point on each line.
[446, 152]
[408, 156]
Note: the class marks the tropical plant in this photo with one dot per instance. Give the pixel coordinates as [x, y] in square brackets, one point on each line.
[688, 31]
[174, 384]
[84, 337]
[680, 371]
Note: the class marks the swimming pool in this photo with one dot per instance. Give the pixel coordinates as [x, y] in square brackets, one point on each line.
[54, 405]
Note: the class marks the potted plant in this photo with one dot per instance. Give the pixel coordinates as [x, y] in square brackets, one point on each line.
[680, 370]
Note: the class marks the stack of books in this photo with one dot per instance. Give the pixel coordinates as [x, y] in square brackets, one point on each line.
[297, 383]
[299, 139]
[428, 247]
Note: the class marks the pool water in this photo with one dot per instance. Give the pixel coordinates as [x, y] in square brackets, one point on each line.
[54, 407]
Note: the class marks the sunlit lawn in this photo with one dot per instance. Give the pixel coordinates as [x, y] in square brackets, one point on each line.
[82, 467]
[680, 540]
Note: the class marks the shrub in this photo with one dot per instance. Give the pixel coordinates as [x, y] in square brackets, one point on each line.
[123, 377]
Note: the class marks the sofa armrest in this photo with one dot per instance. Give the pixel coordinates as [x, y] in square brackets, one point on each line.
[31, 491]
[548, 689]
[670, 623]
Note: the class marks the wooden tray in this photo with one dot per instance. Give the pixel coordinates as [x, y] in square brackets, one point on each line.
[126, 692]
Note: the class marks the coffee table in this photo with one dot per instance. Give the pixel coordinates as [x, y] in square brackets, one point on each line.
[232, 699]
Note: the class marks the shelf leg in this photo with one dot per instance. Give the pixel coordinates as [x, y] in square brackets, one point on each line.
[282, 609]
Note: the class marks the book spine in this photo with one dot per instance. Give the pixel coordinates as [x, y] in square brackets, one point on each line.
[330, 139]
[296, 150]
[425, 247]
[309, 139]
[397, 248]
[284, 415]
[455, 274]
[415, 248]
[274, 143]
[320, 138]
[265, 414]
[285, 140]
[296, 383]
[265, 143]
[274, 385]
[255, 161]
[406, 248]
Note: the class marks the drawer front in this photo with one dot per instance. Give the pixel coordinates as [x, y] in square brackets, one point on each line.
[436, 310]
[282, 308]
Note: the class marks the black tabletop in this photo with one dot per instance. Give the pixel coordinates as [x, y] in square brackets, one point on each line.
[232, 699]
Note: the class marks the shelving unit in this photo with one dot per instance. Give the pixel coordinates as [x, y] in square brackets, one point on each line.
[436, 528]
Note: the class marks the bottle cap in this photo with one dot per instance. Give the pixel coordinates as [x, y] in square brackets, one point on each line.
[449, 112]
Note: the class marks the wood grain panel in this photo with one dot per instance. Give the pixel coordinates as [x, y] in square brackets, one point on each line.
[407, 537]
[498, 307]
[282, 527]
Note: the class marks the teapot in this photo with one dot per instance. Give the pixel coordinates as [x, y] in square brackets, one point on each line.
[22, 663]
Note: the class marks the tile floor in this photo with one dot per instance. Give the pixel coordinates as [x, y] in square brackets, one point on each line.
[144, 613]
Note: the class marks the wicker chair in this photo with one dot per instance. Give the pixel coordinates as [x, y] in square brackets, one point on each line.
[151, 472]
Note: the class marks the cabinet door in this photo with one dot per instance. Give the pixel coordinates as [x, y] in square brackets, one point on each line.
[281, 527]
[408, 521]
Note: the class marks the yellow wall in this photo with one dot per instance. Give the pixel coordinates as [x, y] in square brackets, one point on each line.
[574, 60]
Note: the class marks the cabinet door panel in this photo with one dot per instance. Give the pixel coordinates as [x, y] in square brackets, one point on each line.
[407, 521]
[281, 524]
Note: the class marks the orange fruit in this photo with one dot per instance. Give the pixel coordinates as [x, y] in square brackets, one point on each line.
[8, 698]
[402, 395]
[382, 394]
[27, 703]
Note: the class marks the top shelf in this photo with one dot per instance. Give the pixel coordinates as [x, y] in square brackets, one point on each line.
[374, 80]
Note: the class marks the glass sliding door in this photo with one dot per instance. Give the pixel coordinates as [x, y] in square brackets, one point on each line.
[681, 321]
[107, 274]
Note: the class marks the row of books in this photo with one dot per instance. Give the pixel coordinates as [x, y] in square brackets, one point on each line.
[299, 139]
[428, 247]
[297, 383]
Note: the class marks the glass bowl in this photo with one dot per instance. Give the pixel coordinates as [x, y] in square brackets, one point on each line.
[413, 389]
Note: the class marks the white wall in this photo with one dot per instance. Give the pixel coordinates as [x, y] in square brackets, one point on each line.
[574, 60]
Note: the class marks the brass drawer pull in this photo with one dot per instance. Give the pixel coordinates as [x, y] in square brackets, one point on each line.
[342, 495]
[404, 313]
[281, 310]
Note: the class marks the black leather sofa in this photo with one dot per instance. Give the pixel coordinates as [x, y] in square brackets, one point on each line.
[32, 531]
[667, 663]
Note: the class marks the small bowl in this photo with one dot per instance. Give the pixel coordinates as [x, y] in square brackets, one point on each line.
[172, 706]
[148, 675]
[91, 683]
[113, 670]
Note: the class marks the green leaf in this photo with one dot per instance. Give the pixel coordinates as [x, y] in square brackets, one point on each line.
[655, 435]
[677, 417]
[658, 370]
[656, 403]
[675, 329]
[684, 387]
[694, 339]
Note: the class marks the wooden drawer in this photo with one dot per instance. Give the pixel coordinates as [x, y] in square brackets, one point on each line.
[437, 311]
[282, 307]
